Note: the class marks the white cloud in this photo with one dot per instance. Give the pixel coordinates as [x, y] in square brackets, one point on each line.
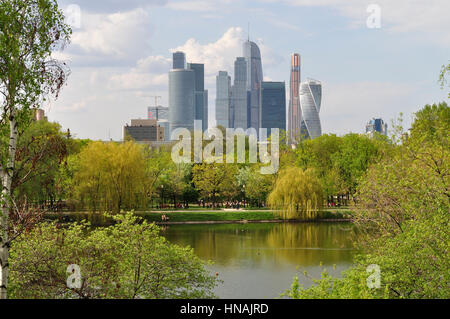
[118, 34]
[197, 5]
[427, 18]
[217, 56]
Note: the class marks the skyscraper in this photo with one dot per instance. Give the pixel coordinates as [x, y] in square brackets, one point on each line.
[181, 99]
[273, 106]
[239, 94]
[179, 60]
[376, 125]
[252, 56]
[201, 95]
[310, 101]
[295, 112]
[223, 94]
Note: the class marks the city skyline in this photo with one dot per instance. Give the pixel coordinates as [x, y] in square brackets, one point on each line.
[114, 71]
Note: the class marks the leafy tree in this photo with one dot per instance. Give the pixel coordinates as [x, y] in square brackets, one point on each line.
[111, 176]
[403, 216]
[41, 150]
[29, 31]
[297, 194]
[445, 71]
[214, 181]
[352, 161]
[128, 260]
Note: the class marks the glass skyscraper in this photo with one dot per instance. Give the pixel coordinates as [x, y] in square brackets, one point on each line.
[252, 56]
[377, 125]
[295, 112]
[181, 99]
[201, 95]
[239, 94]
[310, 101]
[223, 94]
[273, 106]
[179, 60]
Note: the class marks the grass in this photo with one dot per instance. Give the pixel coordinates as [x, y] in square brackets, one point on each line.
[211, 216]
[197, 216]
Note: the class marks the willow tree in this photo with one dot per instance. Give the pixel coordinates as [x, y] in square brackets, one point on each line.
[29, 31]
[297, 194]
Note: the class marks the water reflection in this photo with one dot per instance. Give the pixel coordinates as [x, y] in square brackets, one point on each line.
[260, 260]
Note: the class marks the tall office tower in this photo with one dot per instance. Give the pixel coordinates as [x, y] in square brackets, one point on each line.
[158, 113]
[179, 60]
[223, 93]
[201, 95]
[181, 99]
[310, 101]
[239, 94]
[295, 112]
[254, 78]
[273, 106]
[376, 125]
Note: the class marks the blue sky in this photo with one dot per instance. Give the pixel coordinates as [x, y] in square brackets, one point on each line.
[121, 50]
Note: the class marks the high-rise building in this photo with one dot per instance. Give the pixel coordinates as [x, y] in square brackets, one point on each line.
[144, 131]
[252, 56]
[181, 99]
[310, 101]
[295, 112]
[201, 95]
[158, 113]
[223, 94]
[377, 125]
[239, 94]
[273, 106]
[179, 60]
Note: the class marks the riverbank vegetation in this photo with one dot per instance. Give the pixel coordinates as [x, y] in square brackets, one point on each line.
[127, 260]
[403, 213]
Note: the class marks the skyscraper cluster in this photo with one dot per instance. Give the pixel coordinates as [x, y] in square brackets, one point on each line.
[251, 102]
[188, 99]
[247, 101]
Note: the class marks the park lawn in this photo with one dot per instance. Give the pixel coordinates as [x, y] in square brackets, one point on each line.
[210, 216]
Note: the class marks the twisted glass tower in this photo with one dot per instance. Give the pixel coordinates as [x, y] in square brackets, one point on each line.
[310, 101]
[294, 112]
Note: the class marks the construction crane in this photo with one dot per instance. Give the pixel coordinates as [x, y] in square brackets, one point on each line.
[156, 97]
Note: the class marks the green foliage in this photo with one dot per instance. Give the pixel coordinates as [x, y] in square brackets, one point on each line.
[111, 176]
[297, 194]
[404, 216]
[128, 260]
[215, 181]
[41, 151]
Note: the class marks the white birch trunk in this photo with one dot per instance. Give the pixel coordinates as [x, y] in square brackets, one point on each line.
[6, 175]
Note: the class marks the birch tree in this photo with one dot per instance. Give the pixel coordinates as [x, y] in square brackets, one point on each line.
[30, 30]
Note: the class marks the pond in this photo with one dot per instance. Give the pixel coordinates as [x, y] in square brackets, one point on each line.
[258, 261]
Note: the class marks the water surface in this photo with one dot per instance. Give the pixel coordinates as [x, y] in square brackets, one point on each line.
[260, 260]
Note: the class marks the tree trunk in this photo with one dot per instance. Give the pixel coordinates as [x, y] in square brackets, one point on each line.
[6, 176]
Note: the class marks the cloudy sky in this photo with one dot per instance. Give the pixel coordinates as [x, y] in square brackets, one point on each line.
[120, 55]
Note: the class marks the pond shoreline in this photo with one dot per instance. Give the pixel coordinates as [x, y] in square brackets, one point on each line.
[211, 222]
[204, 218]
